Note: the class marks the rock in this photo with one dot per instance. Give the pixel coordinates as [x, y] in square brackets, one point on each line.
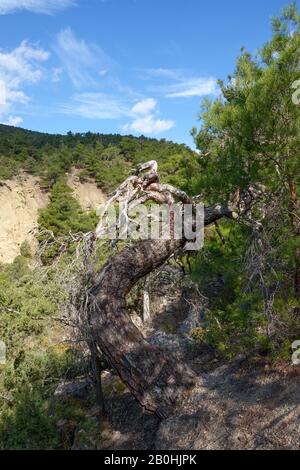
[88, 438]
[66, 429]
[79, 389]
[111, 384]
[193, 320]
[20, 202]
[177, 345]
[94, 412]
[136, 319]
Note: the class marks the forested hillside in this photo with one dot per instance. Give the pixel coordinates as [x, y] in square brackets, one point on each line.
[32, 299]
[244, 285]
[106, 158]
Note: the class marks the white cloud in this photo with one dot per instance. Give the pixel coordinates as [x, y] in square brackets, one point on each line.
[144, 106]
[102, 73]
[18, 68]
[13, 121]
[193, 87]
[149, 125]
[106, 106]
[144, 119]
[162, 73]
[20, 65]
[36, 6]
[80, 60]
[176, 83]
[96, 106]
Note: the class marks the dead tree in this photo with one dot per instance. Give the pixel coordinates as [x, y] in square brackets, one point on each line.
[155, 378]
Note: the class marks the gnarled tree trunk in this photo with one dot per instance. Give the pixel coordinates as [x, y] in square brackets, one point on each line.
[155, 378]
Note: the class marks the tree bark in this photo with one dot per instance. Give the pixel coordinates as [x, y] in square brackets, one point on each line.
[146, 302]
[96, 369]
[155, 378]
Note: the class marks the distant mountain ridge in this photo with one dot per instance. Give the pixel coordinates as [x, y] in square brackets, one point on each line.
[57, 138]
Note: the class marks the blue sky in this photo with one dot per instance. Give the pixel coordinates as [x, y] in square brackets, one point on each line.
[121, 66]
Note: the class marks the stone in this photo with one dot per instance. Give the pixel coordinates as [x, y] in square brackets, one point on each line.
[73, 389]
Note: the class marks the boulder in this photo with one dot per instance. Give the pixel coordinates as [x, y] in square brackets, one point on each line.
[78, 389]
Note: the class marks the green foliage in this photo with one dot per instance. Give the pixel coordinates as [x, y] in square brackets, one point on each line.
[8, 168]
[24, 306]
[30, 379]
[24, 315]
[27, 426]
[25, 250]
[251, 135]
[233, 316]
[62, 215]
[106, 158]
[28, 307]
